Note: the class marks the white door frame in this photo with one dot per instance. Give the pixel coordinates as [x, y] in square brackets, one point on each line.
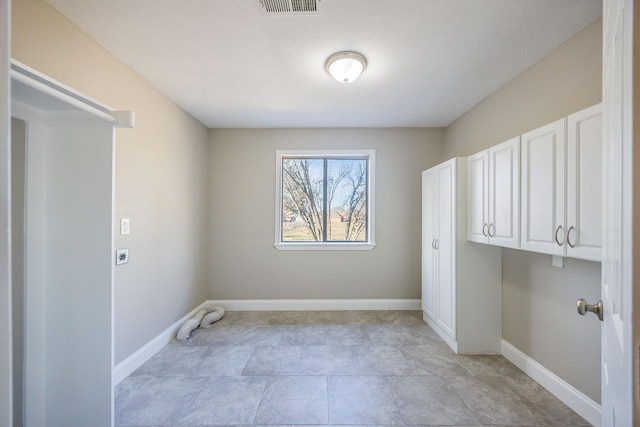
[621, 207]
[6, 380]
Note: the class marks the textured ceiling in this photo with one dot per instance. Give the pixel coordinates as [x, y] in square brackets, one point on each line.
[230, 65]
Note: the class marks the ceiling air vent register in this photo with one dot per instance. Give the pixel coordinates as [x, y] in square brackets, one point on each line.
[289, 7]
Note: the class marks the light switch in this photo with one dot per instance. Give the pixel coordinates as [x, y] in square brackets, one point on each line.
[124, 226]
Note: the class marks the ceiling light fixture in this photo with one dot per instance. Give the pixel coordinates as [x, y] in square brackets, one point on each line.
[345, 67]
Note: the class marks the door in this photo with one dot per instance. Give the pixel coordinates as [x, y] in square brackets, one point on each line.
[619, 343]
[584, 184]
[542, 189]
[429, 269]
[445, 247]
[504, 194]
[6, 408]
[478, 197]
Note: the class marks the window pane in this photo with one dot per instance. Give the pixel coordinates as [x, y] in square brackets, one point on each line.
[302, 199]
[347, 200]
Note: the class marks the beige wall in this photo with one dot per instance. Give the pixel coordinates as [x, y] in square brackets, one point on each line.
[243, 261]
[161, 175]
[539, 314]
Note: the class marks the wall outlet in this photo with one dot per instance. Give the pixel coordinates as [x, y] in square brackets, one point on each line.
[122, 256]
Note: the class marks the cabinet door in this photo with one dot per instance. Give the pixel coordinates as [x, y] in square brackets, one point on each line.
[445, 248]
[584, 184]
[543, 195]
[429, 271]
[504, 194]
[478, 197]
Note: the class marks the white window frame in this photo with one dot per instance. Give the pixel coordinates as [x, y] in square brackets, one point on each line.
[370, 155]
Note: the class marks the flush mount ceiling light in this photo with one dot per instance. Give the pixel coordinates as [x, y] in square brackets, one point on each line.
[345, 67]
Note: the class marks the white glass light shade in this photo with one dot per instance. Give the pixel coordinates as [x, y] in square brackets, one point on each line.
[345, 67]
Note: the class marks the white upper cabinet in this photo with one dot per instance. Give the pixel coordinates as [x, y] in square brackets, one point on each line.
[562, 187]
[584, 184]
[543, 189]
[494, 195]
[478, 197]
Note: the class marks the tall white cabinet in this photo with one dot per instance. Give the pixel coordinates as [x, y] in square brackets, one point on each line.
[461, 282]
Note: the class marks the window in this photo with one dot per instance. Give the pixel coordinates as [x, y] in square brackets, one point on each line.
[325, 200]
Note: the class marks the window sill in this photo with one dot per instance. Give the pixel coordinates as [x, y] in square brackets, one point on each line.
[301, 246]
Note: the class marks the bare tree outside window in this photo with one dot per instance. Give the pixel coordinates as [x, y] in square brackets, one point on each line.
[324, 199]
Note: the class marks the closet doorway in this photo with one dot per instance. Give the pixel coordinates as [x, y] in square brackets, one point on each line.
[63, 271]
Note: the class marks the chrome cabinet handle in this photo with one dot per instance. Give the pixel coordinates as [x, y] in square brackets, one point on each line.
[569, 235]
[433, 243]
[489, 230]
[437, 244]
[556, 235]
[484, 230]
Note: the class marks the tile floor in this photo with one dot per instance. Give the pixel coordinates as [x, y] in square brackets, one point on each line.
[336, 368]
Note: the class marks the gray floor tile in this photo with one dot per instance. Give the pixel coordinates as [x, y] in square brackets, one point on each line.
[400, 317]
[347, 335]
[402, 335]
[307, 318]
[227, 400]
[362, 400]
[363, 317]
[161, 400]
[493, 401]
[246, 318]
[234, 335]
[304, 335]
[311, 368]
[380, 360]
[327, 360]
[554, 410]
[433, 360]
[429, 401]
[294, 400]
[274, 360]
[223, 360]
[174, 361]
[495, 365]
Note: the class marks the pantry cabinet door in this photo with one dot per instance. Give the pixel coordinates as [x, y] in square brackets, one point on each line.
[445, 248]
[429, 268]
[504, 194]
[543, 189]
[584, 184]
[478, 197]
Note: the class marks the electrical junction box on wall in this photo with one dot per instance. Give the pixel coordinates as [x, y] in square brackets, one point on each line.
[122, 256]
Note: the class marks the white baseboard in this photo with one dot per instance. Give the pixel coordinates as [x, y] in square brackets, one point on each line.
[570, 396]
[137, 359]
[318, 304]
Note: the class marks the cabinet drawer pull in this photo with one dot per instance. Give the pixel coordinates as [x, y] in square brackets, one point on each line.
[556, 235]
[433, 243]
[569, 237]
[489, 230]
[437, 244]
[484, 230]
